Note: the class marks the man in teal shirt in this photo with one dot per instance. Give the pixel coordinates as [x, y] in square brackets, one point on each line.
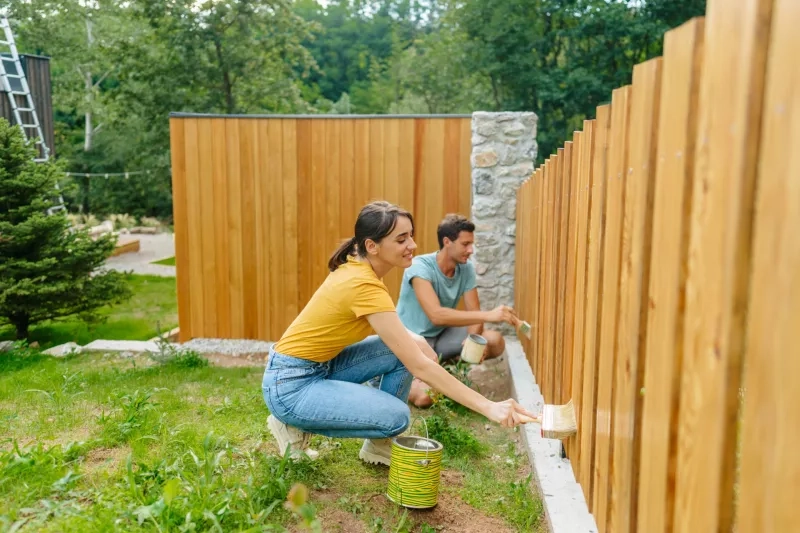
[431, 290]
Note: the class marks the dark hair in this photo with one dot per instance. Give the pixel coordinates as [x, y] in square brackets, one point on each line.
[451, 226]
[375, 221]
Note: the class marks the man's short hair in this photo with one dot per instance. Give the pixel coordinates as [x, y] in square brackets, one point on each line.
[451, 226]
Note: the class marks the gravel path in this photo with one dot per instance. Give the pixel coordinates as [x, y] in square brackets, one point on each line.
[151, 248]
[234, 347]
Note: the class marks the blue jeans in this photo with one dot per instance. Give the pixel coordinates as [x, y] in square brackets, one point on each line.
[329, 398]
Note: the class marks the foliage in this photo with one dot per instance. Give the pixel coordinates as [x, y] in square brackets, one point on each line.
[46, 271]
[153, 301]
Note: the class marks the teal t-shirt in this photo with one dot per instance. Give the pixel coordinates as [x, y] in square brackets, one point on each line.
[449, 291]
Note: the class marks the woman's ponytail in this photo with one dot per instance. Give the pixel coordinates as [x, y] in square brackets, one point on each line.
[339, 257]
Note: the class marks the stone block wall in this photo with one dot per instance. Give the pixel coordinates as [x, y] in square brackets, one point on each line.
[503, 154]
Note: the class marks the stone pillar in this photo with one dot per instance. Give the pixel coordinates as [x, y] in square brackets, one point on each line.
[503, 154]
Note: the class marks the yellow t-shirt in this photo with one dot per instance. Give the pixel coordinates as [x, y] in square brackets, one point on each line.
[336, 315]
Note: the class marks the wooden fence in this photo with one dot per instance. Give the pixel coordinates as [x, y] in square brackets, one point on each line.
[37, 72]
[260, 203]
[659, 265]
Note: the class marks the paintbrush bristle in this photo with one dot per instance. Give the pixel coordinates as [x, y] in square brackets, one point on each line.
[525, 329]
[558, 421]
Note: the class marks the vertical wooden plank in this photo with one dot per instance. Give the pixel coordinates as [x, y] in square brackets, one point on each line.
[431, 182]
[571, 284]
[583, 194]
[544, 241]
[770, 482]
[594, 277]
[322, 244]
[290, 229]
[234, 225]
[549, 355]
[391, 186]
[452, 174]
[634, 275]
[731, 96]
[263, 191]
[465, 168]
[561, 395]
[617, 171]
[276, 256]
[376, 155]
[194, 227]
[305, 206]
[672, 202]
[406, 167]
[219, 155]
[247, 213]
[205, 231]
[347, 173]
[180, 208]
[536, 325]
[333, 181]
[363, 147]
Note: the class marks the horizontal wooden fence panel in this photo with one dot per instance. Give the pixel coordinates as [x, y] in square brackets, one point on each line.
[770, 464]
[671, 208]
[261, 203]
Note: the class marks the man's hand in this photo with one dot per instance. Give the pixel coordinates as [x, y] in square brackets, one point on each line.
[504, 313]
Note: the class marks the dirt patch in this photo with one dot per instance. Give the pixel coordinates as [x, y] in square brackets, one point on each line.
[491, 378]
[451, 514]
[244, 360]
[105, 458]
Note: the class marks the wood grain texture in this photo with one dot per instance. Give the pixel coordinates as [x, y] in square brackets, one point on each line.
[672, 201]
[261, 203]
[633, 282]
[720, 253]
[770, 482]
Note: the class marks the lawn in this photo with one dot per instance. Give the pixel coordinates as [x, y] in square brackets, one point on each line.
[169, 261]
[94, 442]
[154, 304]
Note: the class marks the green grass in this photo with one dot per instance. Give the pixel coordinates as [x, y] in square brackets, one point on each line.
[92, 442]
[154, 302]
[169, 261]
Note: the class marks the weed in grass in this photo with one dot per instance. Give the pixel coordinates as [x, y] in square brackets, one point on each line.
[131, 413]
[457, 441]
[169, 354]
[63, 396]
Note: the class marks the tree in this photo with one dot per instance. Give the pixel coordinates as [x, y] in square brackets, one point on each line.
[46, 270]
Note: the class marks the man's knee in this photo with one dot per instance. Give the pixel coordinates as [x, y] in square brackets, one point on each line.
[495, 343]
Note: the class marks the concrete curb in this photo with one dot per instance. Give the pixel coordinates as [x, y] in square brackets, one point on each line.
[564, 504]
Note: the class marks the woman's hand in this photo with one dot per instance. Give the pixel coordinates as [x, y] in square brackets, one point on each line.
[508, 413]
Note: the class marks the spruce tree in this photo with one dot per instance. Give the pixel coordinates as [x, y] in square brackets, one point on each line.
[46, 270]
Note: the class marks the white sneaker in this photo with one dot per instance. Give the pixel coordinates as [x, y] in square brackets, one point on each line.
[376, 451]
[288, 435]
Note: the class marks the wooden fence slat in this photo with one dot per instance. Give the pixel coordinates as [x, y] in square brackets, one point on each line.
[536, 330]
[321, 242]
[550, 277]
[465, 168]
[234, 226]
[731, 95]
[333, 180]
[206, 207]
[606, 348]
[264, 293]
[569, 289]
[582, 192]
[274, 264]
[347, 161]
[305, 207]
[194, 221]
[178, 159]
[594, 264]
[633, 284]
[291, 240]
[561, 273]
[770, 479]
[672, 200]
[219, 215]
[573, 273]
[544, 203]
[247, 259]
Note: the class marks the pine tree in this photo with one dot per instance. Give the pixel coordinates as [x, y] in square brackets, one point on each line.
[46, 270]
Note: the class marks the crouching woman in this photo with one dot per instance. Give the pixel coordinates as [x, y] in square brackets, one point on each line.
[349, 333]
